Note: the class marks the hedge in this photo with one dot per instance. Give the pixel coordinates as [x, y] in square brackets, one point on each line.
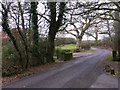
[64, 54]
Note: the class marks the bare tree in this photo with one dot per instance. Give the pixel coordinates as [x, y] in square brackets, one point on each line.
[24, 39]
[54, 26]
[81, 22]
[5, 25]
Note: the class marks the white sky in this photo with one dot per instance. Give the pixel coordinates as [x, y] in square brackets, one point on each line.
[41, 10]
[0, 18]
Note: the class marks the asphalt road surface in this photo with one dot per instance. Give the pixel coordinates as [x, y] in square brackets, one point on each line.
[79, 73]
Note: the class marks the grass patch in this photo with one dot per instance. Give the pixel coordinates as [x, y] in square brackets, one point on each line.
[70, 47]
[108, 59]
[113, 64]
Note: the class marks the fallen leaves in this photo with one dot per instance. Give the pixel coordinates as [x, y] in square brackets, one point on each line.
[29, 72]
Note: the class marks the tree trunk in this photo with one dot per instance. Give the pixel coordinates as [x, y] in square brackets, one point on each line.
[50, 50]
[35, 31]
[52, 33]
[96, 41]
[34, 24]
[78, 42]
[24, 40]
[96, 38]
[79, 37]
[117, 32]
[114, 54]
[53, 28]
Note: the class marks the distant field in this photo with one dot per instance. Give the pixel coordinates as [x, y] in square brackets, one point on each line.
[71, 47]
[66, 47]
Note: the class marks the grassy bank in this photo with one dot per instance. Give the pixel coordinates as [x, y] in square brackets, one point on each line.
[71, 47]
[108, 60]
[66, 47]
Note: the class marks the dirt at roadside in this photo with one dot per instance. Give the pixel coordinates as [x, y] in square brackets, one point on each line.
[115, 65]
[29, 72]
[41, 68]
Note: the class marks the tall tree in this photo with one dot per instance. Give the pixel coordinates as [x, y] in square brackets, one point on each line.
[34, 18]
[6, 29]
[23, 36]
[55, 23]
[79, 32]
[117, 32]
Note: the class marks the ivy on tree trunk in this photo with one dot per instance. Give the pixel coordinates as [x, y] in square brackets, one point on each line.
[35, 29]
[54, 27]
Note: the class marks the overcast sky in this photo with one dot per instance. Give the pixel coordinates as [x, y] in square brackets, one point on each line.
[41, 10]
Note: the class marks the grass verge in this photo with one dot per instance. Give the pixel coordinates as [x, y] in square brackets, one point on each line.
[71, 47]
[67, 47]
[113, 64]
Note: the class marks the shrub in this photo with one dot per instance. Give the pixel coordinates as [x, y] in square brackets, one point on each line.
[12, 70]
[68, 56]
[63, 54]
[85, 46]
[38, 58]
[57, 52]
[9, 55]
[10, 60]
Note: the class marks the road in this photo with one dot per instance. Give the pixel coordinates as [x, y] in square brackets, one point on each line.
[79, 73]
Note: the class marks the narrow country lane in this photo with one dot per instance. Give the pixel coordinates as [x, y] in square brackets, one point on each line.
[79, 73]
